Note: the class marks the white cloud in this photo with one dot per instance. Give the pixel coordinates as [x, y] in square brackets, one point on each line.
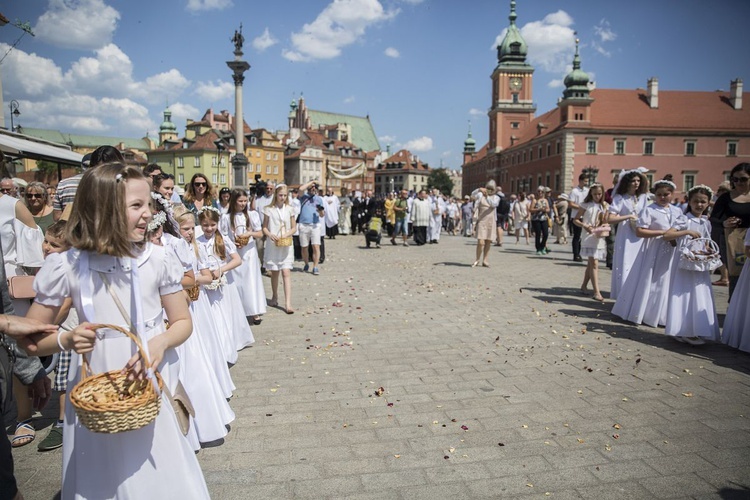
[387, 139]
[392, 52]
[477, 112]
[81, 24]
[213, 92]
[181, 112]
[167, 84]
[264, 41]
[447, 153]
[201, 5]
[604, 31]
[418, 145]
[340, 24]
[555, 83]
[349, 100]
[28, 75]
[551, 41]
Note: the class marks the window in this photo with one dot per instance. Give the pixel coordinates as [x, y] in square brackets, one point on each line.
[540, 152]
[214, 161]
[557, 182]
[515, 98]
[268, 156]
[180, 162]
[253, 140]
[223, 178]
[213, 178]
[197, 161]
[689, 149]
[275, 169]
[650, 178]
[257, 154]
[257, 168]
[619, 147]
[731, 148]
[547, 180]
[515, 125]
[591, 146]
[648, 147]
[688, 181]
[275, 156]
[557, 148]
[531, 155]
[549, 150]
[223, 162]
[268, 169]
[180, 179]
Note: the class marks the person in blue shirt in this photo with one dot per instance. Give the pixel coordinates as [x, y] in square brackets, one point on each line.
[311, 211]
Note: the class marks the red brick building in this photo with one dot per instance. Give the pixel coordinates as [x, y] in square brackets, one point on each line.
[695, 136]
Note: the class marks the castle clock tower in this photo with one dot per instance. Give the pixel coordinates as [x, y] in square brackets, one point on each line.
[512, 106]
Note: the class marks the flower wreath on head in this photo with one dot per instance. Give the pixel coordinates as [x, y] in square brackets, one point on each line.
[700, 186]
[157, 221]
[167, 207]
[209, 208]
[664, 182]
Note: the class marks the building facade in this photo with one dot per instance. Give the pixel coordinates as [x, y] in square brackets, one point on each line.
[697, 137]
[402, 170]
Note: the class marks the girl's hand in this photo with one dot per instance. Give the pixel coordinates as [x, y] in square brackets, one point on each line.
[157, 346]
[694, 234]
[81, 339]
[273, 237]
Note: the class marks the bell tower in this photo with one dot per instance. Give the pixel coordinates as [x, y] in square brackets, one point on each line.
[512, 106]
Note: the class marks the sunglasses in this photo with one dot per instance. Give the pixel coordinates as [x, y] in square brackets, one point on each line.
[5, 190]
[739, 180]
[199, 184]
[34, 195]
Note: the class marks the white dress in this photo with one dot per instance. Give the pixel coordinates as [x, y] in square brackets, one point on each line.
[155, 461]
[278, 258]
[627, 244]
[226, 302]
[21, 246]
[690, 309]
[593, 245]
[736, 331]
[247, 276]
[643, 297]
[197, 374]
[210, 330]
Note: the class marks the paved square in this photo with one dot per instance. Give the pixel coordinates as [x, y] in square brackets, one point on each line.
[405, 373]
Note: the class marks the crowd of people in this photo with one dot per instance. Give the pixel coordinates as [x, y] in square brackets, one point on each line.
[118, 245]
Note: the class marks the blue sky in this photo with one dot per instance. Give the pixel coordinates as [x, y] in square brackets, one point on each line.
[419, 68]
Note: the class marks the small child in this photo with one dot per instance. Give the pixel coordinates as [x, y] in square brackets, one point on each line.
[374, 227]
[594, 247]
[54, 242]
[737, 322]
[691, 315]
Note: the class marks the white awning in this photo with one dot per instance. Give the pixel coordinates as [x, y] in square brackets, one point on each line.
[22, 146]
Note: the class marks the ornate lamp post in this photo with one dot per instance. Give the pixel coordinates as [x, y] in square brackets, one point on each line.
[591, 173]
[238, 67]
[13, 112]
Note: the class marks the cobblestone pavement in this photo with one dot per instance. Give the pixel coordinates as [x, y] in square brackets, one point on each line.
[407, 374]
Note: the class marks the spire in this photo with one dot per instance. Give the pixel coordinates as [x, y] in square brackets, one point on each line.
[577, 81]
[470, 143]
[513, 49]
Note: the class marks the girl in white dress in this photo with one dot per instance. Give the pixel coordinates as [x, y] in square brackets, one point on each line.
[643, 297]
[212, 412]
[279, 222]
[106, 230]
[736, 331]
[240, 221]
[225, 300]
[691, 315]
[591, 218]
[629, 200]
[207, 328]
[521, 217]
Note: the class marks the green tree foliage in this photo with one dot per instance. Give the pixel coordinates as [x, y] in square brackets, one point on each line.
[47, 167]
[440, 179]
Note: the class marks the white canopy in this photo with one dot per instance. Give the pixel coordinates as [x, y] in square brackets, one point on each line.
[24, 146]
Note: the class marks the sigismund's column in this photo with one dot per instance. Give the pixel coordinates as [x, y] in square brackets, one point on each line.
[238, 67]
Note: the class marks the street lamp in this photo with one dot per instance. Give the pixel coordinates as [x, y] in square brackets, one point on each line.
[13, 112]
[591, 174]
[219, 147]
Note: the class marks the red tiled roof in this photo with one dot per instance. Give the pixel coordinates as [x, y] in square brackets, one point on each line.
[404, 156]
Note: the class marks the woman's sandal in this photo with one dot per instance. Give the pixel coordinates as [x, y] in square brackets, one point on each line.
[475, 264]
[598, 298]
[25, 437]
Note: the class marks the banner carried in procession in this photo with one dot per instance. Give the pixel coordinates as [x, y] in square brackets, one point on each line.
[347, 173]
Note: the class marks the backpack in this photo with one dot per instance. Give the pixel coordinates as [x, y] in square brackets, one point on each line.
[503, 208]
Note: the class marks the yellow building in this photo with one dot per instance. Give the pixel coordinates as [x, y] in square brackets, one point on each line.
[265, 156]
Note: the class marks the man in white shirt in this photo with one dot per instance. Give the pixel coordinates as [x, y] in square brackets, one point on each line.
[332, 205]
[438, 211]
[577, 195]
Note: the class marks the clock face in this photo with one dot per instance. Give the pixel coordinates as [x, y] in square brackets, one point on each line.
[515, 83]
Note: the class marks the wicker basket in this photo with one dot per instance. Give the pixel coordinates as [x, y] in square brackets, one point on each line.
[193, 292]
[700, 254]
[283, 242]
[109, 402]
[242, 240]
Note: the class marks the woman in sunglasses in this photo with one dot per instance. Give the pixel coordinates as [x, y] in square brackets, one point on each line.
[36, 199]
[200, 193]
[732, 211]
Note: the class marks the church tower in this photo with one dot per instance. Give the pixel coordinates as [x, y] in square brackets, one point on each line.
[576, 103]
[167, 130]
[470, 146]
[512, 106]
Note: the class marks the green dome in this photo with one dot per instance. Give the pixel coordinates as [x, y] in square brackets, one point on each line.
[167, 125]
[513, 48]
[470, 142]
[577, 81]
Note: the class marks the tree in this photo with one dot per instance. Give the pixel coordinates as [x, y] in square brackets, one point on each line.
[440, 179]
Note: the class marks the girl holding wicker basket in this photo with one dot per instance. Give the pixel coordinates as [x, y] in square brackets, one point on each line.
[108, 272]
[242, 226]
[225, 299]
[691, 315]
[279, 225]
